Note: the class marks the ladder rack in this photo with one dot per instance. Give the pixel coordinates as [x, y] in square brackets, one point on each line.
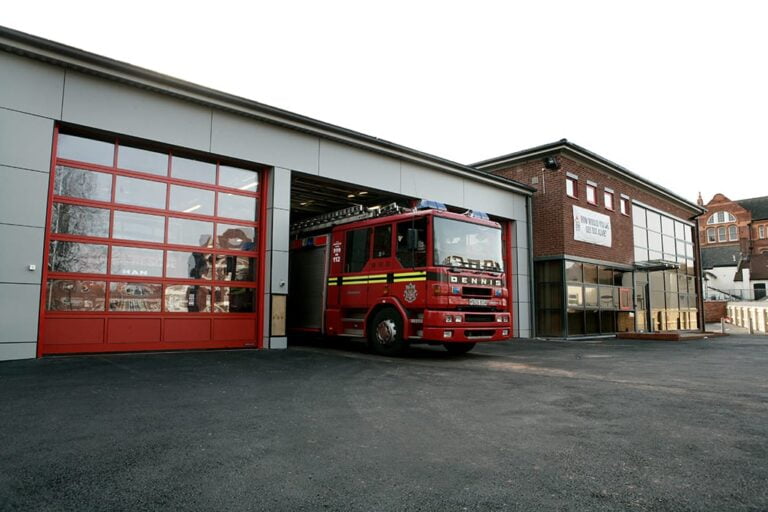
[344, 216]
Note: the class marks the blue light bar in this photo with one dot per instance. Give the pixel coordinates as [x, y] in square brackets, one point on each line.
[477, 215]
[426, 204]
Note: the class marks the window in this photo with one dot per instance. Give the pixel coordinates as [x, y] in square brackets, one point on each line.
[571, 187]
[721, 234]
[733, 233]
[382, 241]
[624, 206]
[591, 194]
[711, 238]
[761, 232]
[415, 257]
[357, 250]
[608, 199]
[720, 218]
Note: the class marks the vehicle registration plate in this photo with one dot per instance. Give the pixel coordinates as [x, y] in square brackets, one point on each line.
[478, 302]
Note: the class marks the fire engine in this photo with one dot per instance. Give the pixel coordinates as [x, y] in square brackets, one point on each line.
[400, 276]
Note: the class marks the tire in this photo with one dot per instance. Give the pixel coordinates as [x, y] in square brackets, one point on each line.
[458, 348]
[385, 333]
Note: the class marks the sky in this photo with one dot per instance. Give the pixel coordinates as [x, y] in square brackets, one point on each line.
[675, 91]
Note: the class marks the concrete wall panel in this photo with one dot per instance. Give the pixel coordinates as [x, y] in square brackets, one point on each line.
[25, 141]
[280, 229]
[30, 86]
[21, 247]
[279, 272]
[123, 109]
[281, 186]
[19, 306]
[426, 183]
[23, 196]
[349, 164]
[11, 351]
[248, 139]
[490, 199]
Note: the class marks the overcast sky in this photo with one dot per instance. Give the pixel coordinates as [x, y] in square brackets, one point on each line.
[675, 91]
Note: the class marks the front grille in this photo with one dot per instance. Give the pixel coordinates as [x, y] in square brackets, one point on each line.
[471, 291]
[478, 333]
[479, 318]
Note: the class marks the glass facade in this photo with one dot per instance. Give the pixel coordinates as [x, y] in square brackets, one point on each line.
[587, 298]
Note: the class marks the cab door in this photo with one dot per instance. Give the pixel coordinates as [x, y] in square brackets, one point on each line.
[380, 263]
[354, 279]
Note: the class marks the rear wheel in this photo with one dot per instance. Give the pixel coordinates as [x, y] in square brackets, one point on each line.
[458, 348]
[385, 334]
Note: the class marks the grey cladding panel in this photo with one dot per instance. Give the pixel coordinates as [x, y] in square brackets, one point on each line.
[123, 109]
[281, 186]
[25, 141]
[492, 199]
[30, 86]
[352, 165]
[19, 306]
[11, 351]
[23, 196]
[26, 248]
[248, 139]
[423, 183]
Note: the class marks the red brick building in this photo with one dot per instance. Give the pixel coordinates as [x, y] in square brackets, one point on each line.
[613, 252]
[734, 247]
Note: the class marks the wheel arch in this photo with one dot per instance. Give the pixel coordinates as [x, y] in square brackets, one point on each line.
[389, 303]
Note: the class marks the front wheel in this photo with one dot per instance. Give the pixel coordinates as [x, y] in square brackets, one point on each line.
[458, 348]
[385, 334]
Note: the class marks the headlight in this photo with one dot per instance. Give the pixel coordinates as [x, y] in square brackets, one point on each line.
[448, 319]
[458, 318]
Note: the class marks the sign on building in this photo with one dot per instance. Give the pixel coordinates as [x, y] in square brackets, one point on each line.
[591, 227]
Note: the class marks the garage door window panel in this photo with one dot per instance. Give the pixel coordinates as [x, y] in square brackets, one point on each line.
[70, 219]
[138, 226]
[191, 200]
[241, 179]
[136, 261]
[138, 192]
[81, 149]
[188, 265]
[76, 257]
[236, 206]
[235, 238]
[235, 268]
[190, 232]
[135, 297]
[185, 298]
[75, 295]
[234, 300]
[82, 183]
[193, 170]
[142, 160]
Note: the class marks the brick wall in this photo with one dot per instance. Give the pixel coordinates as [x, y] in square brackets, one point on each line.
[714, 310]
[553, 209]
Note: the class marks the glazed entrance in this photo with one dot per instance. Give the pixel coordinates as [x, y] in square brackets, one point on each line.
[149, 249]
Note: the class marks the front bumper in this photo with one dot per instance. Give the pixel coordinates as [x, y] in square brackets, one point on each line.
[466, 326]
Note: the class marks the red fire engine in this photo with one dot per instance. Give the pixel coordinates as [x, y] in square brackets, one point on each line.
[399, 276]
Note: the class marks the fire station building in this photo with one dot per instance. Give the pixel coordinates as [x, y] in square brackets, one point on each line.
[613, 252]
[142, 212]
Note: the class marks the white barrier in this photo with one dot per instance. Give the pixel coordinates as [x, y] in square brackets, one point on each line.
[750, 315]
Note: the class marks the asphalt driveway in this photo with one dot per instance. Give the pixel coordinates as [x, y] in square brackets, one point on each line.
[610, 425]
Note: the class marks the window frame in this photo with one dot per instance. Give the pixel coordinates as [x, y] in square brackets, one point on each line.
[733, 233]
[606, 195]
[711, 236]
[574, 182]
[624, 206]
[593, 188]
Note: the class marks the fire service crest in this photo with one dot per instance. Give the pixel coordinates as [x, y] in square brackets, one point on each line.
[410, 292]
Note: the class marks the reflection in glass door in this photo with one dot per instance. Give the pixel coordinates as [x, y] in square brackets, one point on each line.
[147, 248]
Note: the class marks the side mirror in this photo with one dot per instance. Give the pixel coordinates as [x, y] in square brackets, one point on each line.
[412, 239]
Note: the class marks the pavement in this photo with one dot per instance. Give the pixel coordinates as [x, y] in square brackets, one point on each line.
[520, 425]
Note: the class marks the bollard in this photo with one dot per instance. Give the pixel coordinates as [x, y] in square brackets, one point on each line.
[722, 326]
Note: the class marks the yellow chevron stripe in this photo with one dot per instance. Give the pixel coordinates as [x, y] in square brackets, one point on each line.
[377, 281]
[403, 274]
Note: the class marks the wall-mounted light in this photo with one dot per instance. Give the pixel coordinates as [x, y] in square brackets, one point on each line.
[551, 163]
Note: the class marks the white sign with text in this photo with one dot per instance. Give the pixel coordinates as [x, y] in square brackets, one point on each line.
[591, 227]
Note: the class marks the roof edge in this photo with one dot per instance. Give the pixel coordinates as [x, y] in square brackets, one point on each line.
[38, 48]
[492, 164]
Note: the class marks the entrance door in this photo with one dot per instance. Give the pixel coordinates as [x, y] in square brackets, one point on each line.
[148, 250]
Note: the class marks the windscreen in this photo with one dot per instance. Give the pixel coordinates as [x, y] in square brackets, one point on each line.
[467, 245]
